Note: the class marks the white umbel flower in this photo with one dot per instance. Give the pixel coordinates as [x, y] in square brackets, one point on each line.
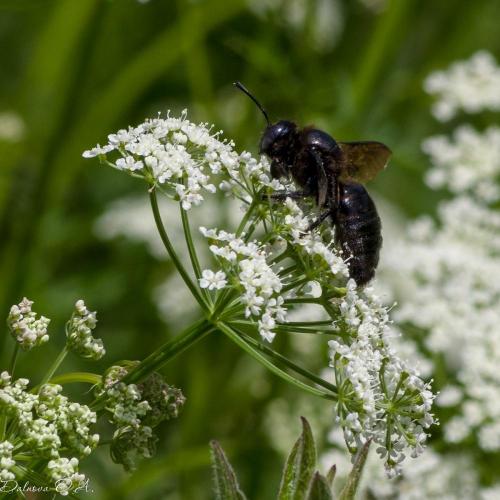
[472, 86]
[182, 157]
[213, 281]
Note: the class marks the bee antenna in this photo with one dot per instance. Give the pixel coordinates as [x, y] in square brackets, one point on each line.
[240, 86]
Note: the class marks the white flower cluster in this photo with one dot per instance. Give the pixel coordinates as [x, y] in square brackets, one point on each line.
[79, 333]
[472, 86]
[64, 473]
[182, 156]
[26, 329]
[431, 476]
[247, 263]
[48, 425]
[470, 162]
[6, 461]
[452, 274]
[325, 263]
[446, 274]
[394, 403]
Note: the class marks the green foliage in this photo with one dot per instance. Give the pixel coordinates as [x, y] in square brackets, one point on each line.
[319, 488]
[299, 480]
[225, 483]
[299, 467]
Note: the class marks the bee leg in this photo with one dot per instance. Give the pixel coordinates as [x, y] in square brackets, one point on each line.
[283, 195]
[319, 220]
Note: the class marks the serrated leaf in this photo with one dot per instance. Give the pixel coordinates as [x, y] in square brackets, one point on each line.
[299, 466]
[319, 489]
[330, 476]
[225, 483]
[351, 486]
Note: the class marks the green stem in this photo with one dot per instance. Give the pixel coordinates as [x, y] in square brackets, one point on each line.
[169, 350]
[77, 377]
[192, 251]
[246, 217]
[171, 252]
[238, 340]
[13, 360]
[290, 364]
[55, 365]
[3, 426]
[295, 284]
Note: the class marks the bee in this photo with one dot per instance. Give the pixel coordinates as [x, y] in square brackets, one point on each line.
[331, 172]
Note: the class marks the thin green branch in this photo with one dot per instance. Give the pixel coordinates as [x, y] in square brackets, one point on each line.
[171, 251]
[192, 251]
[55, 365]
[290, 364]
[169, 350]
[13, 360]
[238, 340]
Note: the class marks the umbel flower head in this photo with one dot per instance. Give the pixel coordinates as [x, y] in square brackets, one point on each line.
[179, 157]
[269, 265]
[27, 330]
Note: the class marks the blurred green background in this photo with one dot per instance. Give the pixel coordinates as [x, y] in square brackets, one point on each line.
[75, 70]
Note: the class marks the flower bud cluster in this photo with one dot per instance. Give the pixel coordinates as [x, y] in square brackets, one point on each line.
[6, 461]
[65, 475]
[49, 426]
[135, 409]
[79, 333]
[26, 329]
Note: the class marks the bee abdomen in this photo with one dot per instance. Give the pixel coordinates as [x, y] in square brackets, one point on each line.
[358, 231]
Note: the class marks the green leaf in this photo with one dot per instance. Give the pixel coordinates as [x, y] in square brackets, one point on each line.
[299, 466]
[319, 489]
[349, 491]
[330, 476]
[225, 482]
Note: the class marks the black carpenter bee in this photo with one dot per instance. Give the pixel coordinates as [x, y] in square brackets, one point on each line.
[331, 172]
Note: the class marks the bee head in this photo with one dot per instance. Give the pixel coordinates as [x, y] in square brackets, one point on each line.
[278, 141]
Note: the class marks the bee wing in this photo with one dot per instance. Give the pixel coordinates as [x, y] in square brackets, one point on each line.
[363, 160]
